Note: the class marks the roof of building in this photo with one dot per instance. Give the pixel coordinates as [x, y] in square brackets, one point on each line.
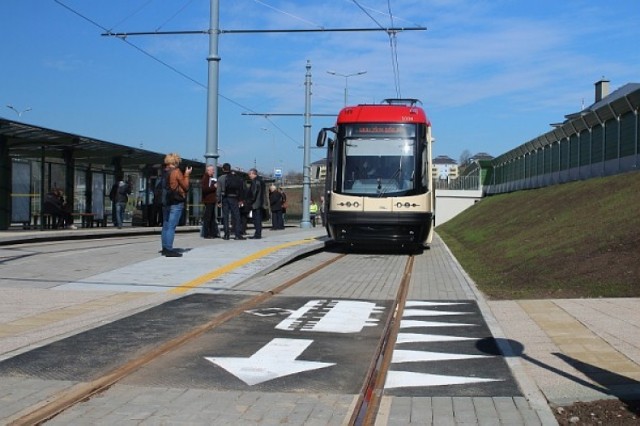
[610, 98]
[443, 159]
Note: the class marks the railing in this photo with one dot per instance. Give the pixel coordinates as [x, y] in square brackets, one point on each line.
[462, 183]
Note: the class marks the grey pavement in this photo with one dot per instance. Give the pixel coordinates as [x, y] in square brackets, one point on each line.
[559, 351]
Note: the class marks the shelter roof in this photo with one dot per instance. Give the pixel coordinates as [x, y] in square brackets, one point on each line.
[32, 142]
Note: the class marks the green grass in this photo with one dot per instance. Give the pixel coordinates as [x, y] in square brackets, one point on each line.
[579, 239]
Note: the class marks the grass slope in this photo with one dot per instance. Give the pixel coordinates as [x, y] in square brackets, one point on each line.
[579, 239]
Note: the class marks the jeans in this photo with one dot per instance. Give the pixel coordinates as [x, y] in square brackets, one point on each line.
[119, 218]
[170, 218]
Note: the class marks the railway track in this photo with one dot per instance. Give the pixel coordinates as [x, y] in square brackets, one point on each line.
[364, 411]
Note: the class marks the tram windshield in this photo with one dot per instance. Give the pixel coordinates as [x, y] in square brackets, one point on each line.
[378, 165]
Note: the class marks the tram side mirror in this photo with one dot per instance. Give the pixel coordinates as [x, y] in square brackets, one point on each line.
[322, 138]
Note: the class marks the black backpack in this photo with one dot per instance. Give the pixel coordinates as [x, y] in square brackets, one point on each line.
[233, 185]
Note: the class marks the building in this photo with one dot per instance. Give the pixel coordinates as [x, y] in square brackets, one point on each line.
[444, 168]
[319, 170]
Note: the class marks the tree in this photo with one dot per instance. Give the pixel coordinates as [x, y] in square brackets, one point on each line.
[464, 157]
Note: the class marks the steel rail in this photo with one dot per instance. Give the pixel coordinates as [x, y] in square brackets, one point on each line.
[67, 398]
[368, 403]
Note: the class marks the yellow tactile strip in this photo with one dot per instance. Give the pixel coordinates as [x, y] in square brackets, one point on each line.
[575, 340]
[33, 322]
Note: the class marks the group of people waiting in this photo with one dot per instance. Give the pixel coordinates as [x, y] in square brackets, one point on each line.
[238, 201]
[57, 208]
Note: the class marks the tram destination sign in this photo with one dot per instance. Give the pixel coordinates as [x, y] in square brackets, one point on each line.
[382, 130]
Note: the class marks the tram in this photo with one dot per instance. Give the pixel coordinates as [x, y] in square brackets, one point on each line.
[379, 189]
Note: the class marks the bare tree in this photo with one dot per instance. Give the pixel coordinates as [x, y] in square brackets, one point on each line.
[464, 157]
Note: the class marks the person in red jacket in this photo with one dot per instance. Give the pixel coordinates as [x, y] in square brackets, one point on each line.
[209, 186]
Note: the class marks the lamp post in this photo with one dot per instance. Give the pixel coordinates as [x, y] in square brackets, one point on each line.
[346, 81]
[18, 112]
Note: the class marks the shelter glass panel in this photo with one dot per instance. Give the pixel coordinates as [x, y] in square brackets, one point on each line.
[97, 195]
[21, 192]
[108, 182]
[80, 191]
[56, 178]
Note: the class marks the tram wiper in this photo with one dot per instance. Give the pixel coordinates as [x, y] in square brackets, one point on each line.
[383, 191]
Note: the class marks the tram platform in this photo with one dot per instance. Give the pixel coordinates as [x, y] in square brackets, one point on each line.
[558, 351]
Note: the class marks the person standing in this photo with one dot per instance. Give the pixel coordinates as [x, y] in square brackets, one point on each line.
[176, 185]
[120, 197]
[208, 186]
[313, 212]
[257, 200]
[275, 202]
[231, 189]
[322, 211]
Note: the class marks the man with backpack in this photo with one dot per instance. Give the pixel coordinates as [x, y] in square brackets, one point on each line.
[231, 187]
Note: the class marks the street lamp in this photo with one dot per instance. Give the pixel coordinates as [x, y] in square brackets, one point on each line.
[18, 112]
[346, 81]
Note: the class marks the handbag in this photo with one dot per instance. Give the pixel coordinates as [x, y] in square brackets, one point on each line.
[174, 197]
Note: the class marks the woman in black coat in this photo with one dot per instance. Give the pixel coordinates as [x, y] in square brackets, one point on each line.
[275, 202]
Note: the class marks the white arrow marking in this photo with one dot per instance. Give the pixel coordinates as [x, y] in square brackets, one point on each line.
[332, 316]
[275, 359]
[406, 379]
[413, 323]
[428, 313]
[412, 337]
[400, 355]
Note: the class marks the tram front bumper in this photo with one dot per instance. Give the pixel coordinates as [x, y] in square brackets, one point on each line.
[395, 228]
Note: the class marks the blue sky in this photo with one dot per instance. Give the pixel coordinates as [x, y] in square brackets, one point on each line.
[491, 74]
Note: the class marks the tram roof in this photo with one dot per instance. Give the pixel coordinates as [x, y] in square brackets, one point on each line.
[32, 142]
[382, 113]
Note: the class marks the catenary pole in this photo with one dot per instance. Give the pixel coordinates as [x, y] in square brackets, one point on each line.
[211, 154]
[306, 167]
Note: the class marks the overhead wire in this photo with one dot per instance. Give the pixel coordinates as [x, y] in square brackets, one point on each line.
[392, 44]
[172, 68]
[288, 14]
[126, 18]
[393, 40]
[179, 11]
